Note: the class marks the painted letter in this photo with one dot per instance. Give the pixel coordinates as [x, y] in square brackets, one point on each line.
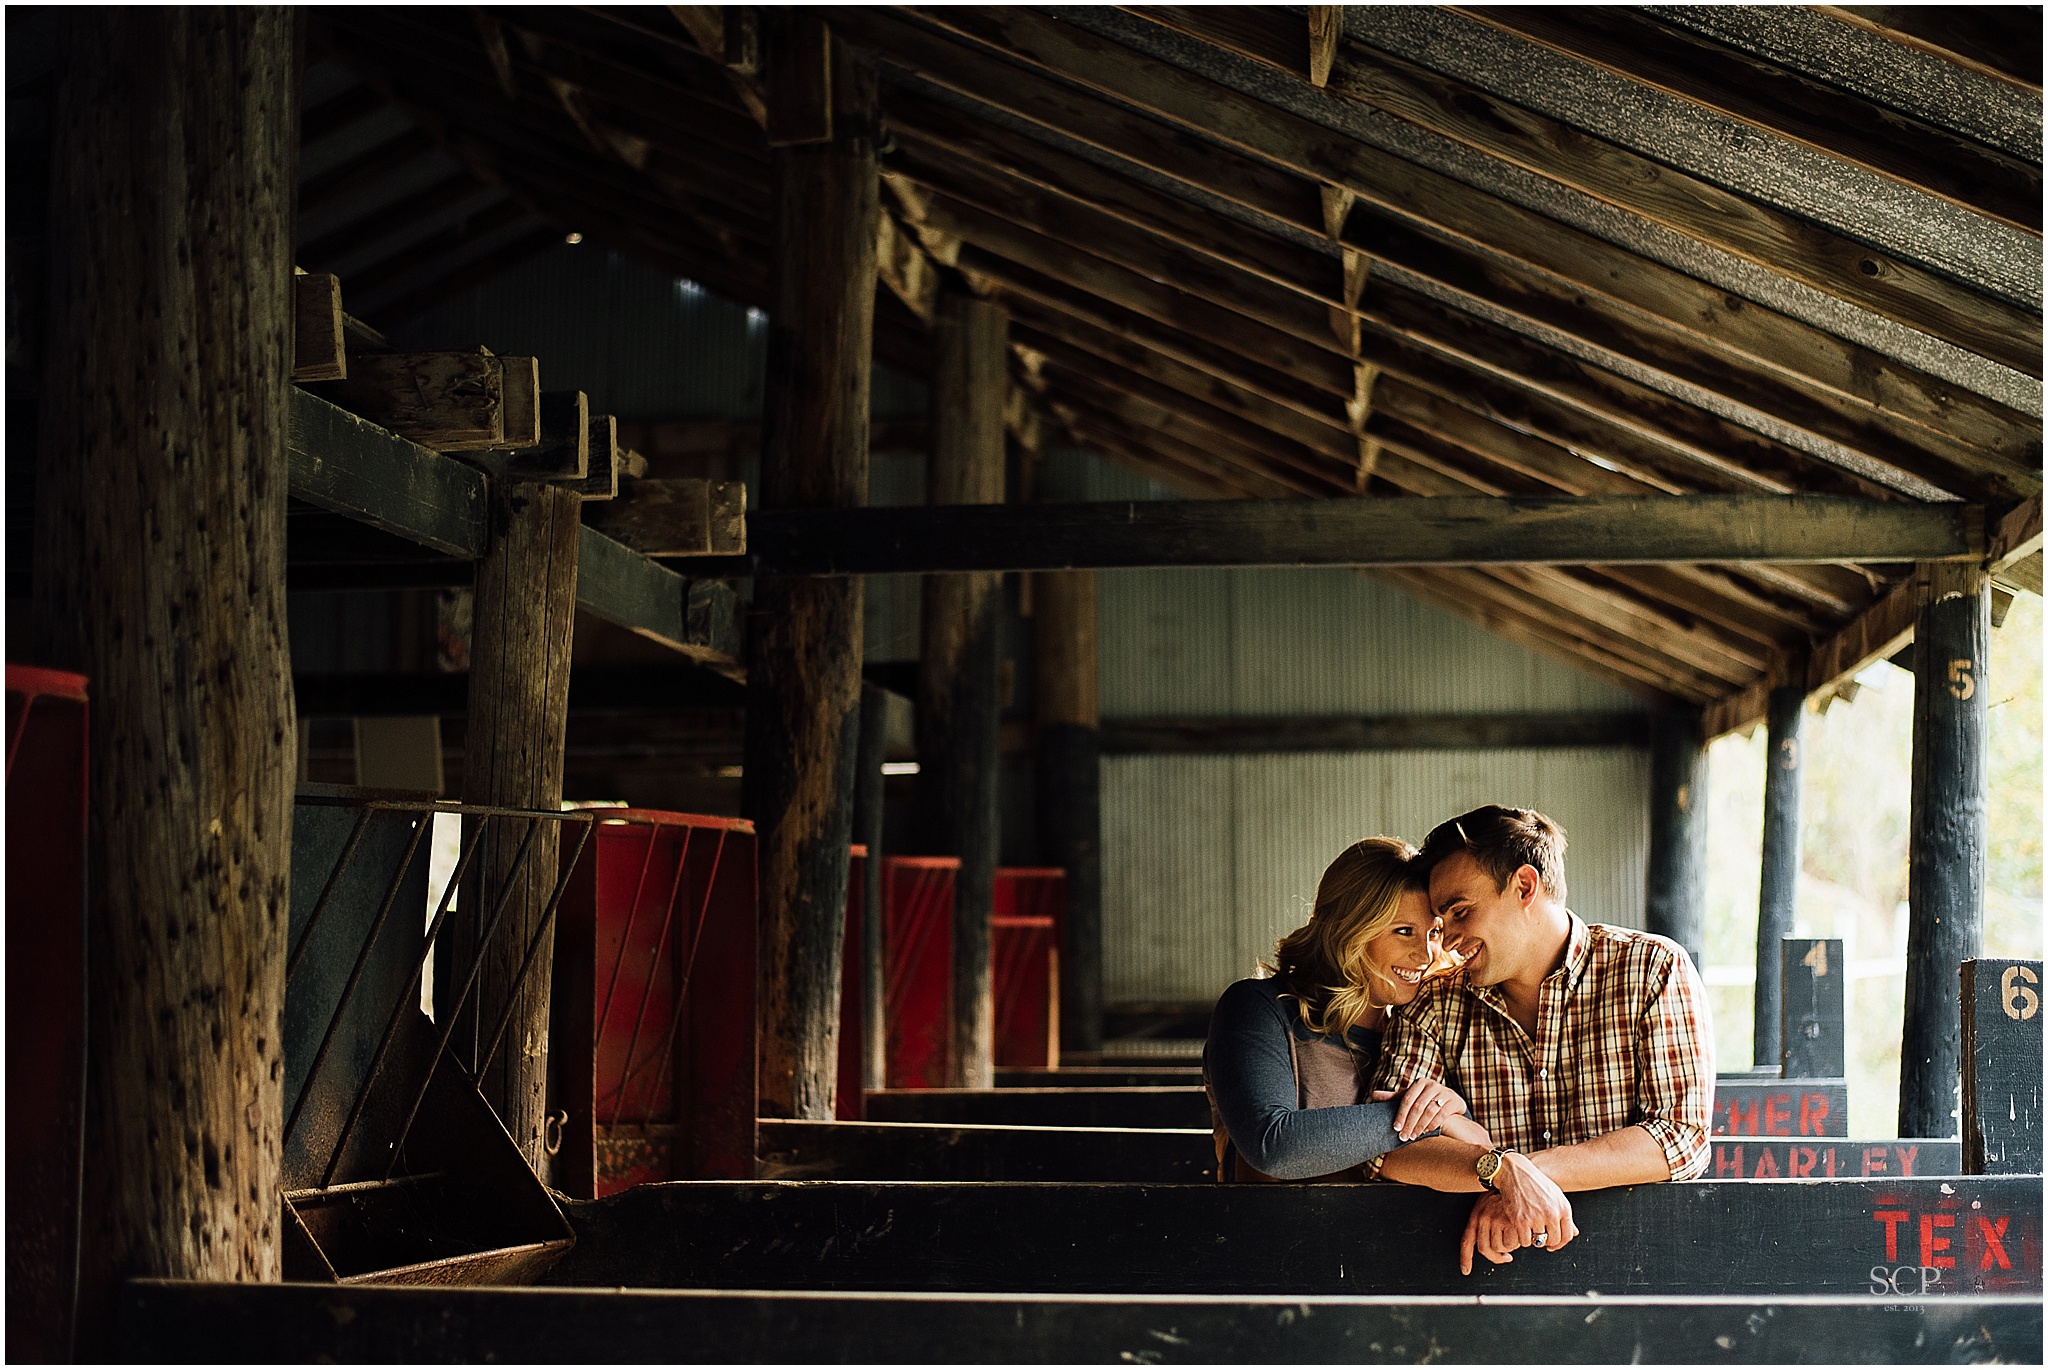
[1930, 1244]
[1740, 1123]
[1772, 1116]
[1907, 1155]
[1799, 1161]
[1873, 1160]
[1813, 1114]
[1727, 1161]
[1991, 1232]
[1891, 1218]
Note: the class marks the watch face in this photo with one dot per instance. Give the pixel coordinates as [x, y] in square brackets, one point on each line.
[1488, 1166]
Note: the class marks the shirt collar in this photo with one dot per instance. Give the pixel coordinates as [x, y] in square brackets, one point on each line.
[1578, 952]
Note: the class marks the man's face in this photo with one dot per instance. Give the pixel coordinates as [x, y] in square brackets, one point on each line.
[1490, 927]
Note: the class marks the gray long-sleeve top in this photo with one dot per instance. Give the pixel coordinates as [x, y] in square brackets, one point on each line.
[1250, 1070]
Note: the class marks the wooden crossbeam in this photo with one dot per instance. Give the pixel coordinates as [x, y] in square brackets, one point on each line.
[792, 1150]
[352, 467]
[1831, 1238]
[258, 1323]
[1437, 532]
[1137, 1106]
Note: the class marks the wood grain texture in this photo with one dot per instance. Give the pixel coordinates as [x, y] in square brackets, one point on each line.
[1948, 838]
[1611, 529]
[955, 802]
[354, 468]
[525, 608]
[318, 351]
[803, 682]
[160, 576]
[449, 401]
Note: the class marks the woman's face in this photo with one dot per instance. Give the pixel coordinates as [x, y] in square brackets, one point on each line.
[1404, 953]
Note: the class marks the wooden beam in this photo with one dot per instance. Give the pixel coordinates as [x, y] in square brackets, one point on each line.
[2001, 1054]
[159, 575]
[1777, 916]
[803, 705]
[352, 467]
[1242, 119]
[676, 517]
[1348, 733]
[985, 1151]
[225, 1323]
[1922, 155]
[1674, 902]
[1074, 1238]
[449, 401]
[699, 618]
[318, 351]
[1613, 529]
[1872, 636]
[561, 451]
[955, 802]
[1066, 652]
[1138, 1106]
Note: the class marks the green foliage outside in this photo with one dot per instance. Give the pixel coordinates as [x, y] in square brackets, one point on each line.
[1853, 835]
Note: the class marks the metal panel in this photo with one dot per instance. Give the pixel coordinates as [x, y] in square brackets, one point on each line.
[1303, 642]
[1207, 861]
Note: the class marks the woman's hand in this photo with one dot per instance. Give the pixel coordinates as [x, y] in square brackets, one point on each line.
[1424, 1105]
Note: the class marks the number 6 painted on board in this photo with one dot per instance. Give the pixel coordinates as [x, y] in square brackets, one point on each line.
[2019, 1002]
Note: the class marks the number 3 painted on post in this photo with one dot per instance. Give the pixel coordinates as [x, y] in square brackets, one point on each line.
[2019, 1002]
[1961, 683]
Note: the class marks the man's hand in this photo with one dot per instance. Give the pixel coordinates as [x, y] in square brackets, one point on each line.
[1528, 1209]
[1425, 1103]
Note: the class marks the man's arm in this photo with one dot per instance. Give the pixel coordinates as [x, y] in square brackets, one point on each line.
[1675, 1070]
[1627, 1156]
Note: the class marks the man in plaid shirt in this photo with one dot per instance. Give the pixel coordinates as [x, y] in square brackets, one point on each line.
[1585, 1050]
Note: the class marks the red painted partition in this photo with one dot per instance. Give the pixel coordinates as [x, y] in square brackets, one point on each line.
[851, 1104]
[917, 906]
[652, 1055]
[1029, 911]
[46, 777]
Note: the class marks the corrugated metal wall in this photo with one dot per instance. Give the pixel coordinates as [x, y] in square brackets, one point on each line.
[1207, 860]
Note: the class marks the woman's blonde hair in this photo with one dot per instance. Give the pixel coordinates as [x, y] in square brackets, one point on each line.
[1323, 964]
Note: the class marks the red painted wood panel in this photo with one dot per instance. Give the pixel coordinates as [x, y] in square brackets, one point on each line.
[917, 902]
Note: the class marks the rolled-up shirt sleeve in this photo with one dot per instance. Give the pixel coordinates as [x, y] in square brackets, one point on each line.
[1675, 1068]
[1250, 1071]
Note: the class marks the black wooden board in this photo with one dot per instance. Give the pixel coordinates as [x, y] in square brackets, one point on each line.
[1095, 1077]
[966, 1151]
[1819, 1158]
[1812, 973]
[1141, 1106]
[2002, 1066]
[1761, 1238]
[227, 1323]
[1766, 1107]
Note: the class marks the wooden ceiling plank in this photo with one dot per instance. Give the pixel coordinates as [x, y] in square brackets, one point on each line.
[1786, 103]
[981, 174]
[1730, 655]
[1720, 602]
[1896, 290]
[1541, 605]
[1493, 608]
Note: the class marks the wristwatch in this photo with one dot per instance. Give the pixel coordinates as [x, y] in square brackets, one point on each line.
[1488, 1166]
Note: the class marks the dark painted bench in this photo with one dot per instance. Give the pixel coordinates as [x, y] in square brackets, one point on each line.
[162, 1320]
[1827, 1158]
[1866, 1238]
[1095, 1077]
[974, 1151]
[1159, 1106]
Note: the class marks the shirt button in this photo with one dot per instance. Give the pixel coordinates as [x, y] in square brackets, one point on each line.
[1543, 1074]
[1546, 1136]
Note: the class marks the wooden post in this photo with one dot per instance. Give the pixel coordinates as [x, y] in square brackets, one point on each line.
[1813, 980]
[1778, 897]
[1070, 789]
[957, 706]
[803, 683]
[1945, 882]
[868, 797]
[159, 574]
[512, 755]
[1675, 900]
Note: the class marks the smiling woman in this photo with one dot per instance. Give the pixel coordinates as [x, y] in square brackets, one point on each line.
[1290, 1054]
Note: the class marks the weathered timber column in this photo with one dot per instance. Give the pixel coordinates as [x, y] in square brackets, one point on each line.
[159, 574]
[512, 755]
[1070, 789]
[957, 706]
[1675, 903]
[803, 683]
[868, 796]
[1946, 850]
[1777, 905]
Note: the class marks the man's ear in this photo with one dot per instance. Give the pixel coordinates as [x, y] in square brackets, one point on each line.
[1528, 884]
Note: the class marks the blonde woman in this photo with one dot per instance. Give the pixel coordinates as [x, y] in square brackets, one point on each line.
[1291, 1053]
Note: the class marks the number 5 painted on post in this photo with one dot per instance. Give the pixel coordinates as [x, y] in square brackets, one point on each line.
[2019, 1002]
[1961, 683]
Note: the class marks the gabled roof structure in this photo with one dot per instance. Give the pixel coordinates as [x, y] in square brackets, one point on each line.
[1352, 252]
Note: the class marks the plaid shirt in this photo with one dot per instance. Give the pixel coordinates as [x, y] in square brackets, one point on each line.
[1622, 1039]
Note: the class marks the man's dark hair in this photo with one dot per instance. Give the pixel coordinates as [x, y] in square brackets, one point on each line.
[1501, 842]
